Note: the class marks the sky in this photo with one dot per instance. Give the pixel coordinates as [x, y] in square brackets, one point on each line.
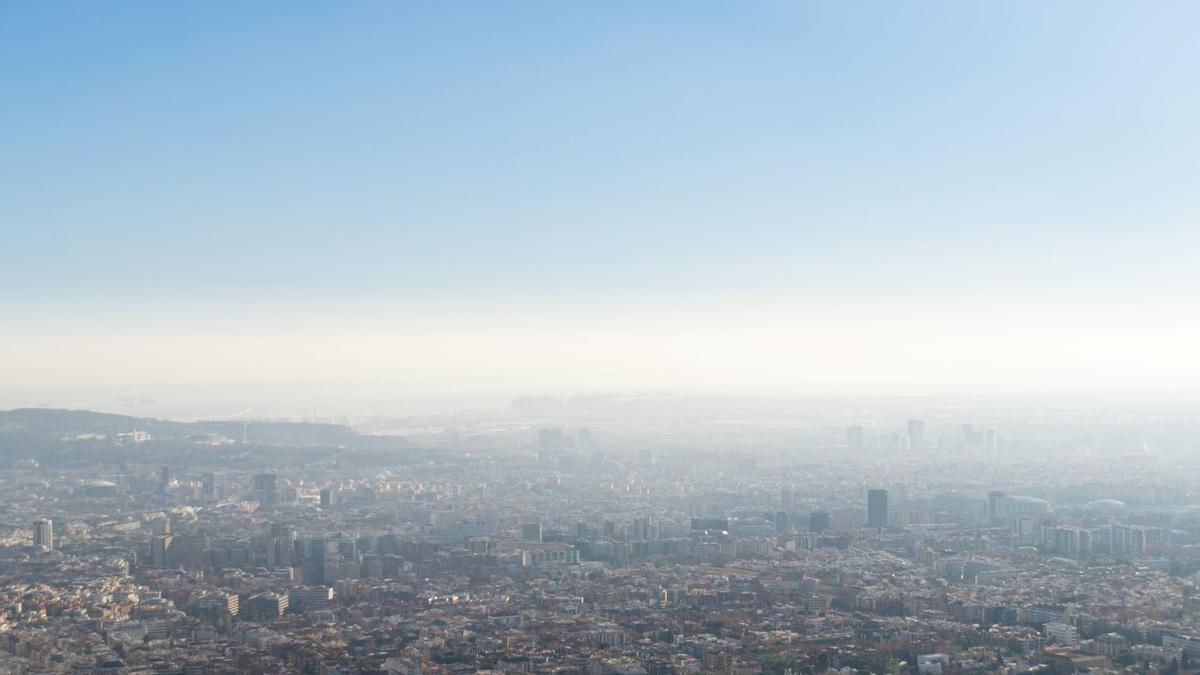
[526, 196]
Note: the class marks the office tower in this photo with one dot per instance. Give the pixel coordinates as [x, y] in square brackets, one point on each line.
[215, 486]
[164, 479]
[640, 529]
[890, 443]
[1127, 540]
[348, 547]
[266, 605]
[279, 552]
[531, 532]
[329, 497]
[854, 439]
[819, 521]
[787, 499]
[160, 550]
[266, 489]
[189, 550]
[916, 435]
[877, 508]
[994, 498]
[43, 534]
[161, 525]
[552, 439]
[783, 522]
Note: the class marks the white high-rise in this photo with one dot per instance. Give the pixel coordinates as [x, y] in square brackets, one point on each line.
[43, 534]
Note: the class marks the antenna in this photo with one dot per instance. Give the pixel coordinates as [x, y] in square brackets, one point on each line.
[245, 422]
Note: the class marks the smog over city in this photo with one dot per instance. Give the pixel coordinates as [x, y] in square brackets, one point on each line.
[600, 338]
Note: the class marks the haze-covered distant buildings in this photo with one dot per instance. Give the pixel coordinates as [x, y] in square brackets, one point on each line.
[556, 556]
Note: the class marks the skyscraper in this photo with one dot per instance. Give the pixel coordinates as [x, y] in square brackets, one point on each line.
[160, 550]
[266, 489]
[916, 435]
[329, 497]
[43, 534]
[994, 497]
[877, 508]
[531, 532]
[854, 438]
[819, 521]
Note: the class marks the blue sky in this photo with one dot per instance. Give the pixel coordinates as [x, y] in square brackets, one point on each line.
[547, 164]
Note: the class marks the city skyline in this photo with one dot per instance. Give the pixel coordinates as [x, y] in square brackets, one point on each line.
[610, 338]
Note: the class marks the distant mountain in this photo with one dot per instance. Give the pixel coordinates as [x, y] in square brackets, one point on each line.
[46, 433]
[56, 423]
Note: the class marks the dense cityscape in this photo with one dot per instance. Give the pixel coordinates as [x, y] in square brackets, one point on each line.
[910, 547]
[394, 337]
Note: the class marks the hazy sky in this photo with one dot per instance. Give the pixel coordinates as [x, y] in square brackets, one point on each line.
[906, 196]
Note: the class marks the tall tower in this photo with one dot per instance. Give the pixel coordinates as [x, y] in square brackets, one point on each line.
[43, 534]
[160, 550]
[854, 438]
[266, 489]
[994, 497]
[819, 521]
[916, 435]
[531, 532]
[329, 497]
[877, 508]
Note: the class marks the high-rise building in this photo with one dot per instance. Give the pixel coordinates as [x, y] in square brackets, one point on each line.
[890, 443]
[266, 489]
[266, 605]
[787, 499]
[531, 532]
[854, 439]
[160, 550]
[279, 552]
[783, 522]
[161, 525]
[1128, 540]
[994, 497]
[1062, 634]
[877, 508]
[164, 479]
[819, 521]
[189, 551]
[329, 497]
[43, 534]
[916, 435]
